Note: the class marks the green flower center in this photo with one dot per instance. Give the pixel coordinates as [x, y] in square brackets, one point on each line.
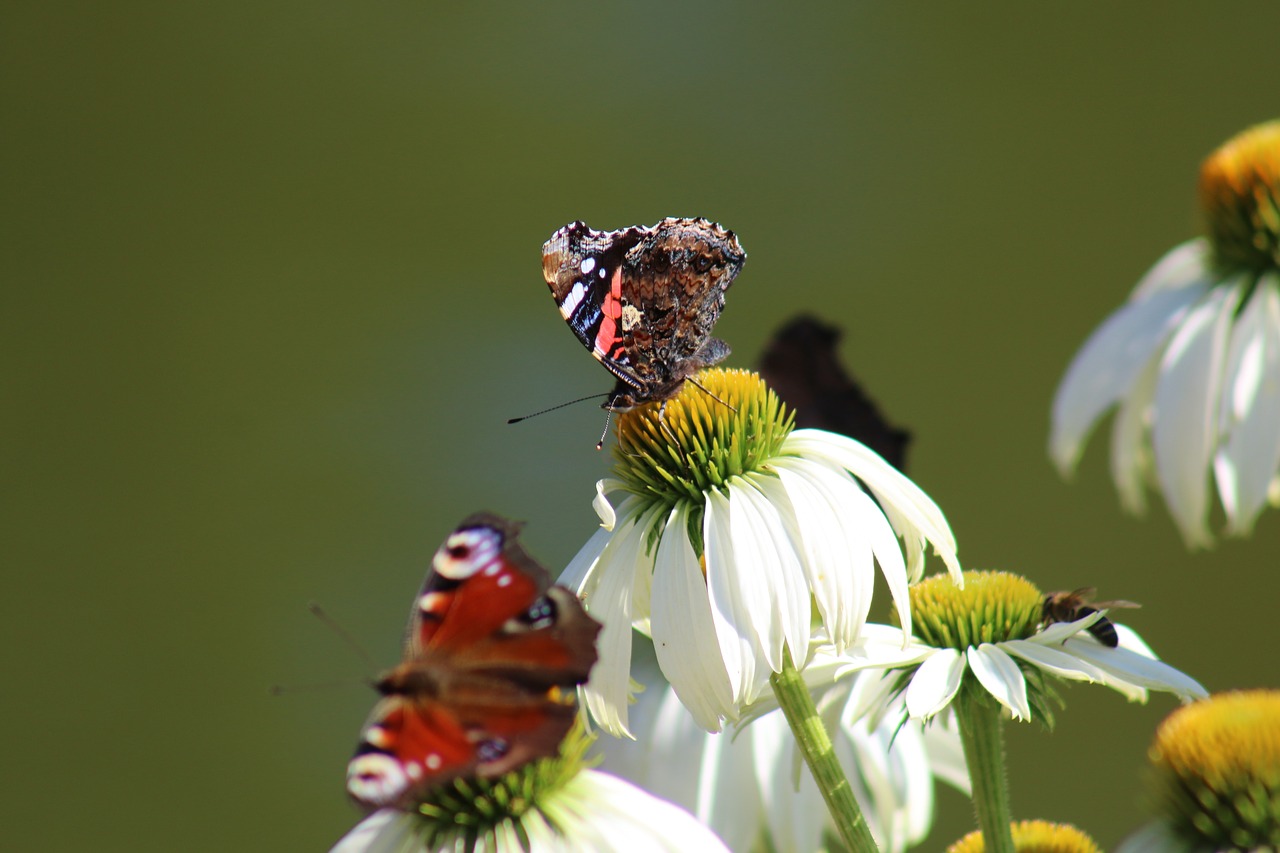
[468, 814]
[722, 424]
[1218, 762]
[1240, 195]
[1035, 836]
[991, 608]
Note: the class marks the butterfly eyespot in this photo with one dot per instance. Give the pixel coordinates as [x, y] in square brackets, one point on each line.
[466, 552]
[376, 778]
[542, 614]
[491, 750]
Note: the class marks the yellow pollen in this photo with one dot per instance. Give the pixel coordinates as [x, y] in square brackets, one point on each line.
[992, 607]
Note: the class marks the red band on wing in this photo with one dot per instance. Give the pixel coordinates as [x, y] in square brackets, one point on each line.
[607, 339]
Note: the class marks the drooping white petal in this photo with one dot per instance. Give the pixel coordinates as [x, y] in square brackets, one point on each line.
[1182, 266]
[608, 592]
[1248, 460]
[1053, 659]
[575, 574]
[684, 629]
[946, 755]
[843, 530]
[384, 831]
[1184, 433]
[1131, 462]
[935, 683]
[1106, 366]
[833, 561]
[737, 649]
[765, 545]
[999, 674]
[793, 809]
[600, 503]
[913, 514]
[1123, 667]
[596, 811]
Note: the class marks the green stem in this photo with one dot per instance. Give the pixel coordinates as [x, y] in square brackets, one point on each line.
[982, 733]
[820, 755]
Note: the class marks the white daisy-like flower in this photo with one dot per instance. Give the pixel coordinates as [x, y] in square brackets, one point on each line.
[991, 635]
[724, 529]
[751, 782]
[1192, 360]
[593, 811]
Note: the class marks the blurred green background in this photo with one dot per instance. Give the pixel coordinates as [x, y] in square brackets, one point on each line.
[272, 287]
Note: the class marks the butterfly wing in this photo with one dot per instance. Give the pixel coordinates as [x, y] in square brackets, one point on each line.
[802, 365]
[491, 662]
[583, 268]
[644, 300]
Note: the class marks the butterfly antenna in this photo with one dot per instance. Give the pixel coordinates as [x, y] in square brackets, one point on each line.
[698, 384]
[553, 408]
[319, 612]
[608, 414]
[325, 686]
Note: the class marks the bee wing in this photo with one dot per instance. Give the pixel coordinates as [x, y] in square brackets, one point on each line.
[1113, 605]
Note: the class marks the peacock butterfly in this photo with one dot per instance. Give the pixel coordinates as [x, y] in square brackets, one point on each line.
[491, 660]
[643, 300]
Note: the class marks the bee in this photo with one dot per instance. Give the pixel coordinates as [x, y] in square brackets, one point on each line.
[1070, 606]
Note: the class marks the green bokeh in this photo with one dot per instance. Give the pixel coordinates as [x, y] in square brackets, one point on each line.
[272, 287]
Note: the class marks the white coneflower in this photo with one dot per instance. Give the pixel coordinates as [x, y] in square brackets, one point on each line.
[990, 637]
[724, 530]
[1193, 358]
[550, 806]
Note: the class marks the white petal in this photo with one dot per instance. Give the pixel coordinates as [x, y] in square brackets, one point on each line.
[1131, 463]
[839, 567]
[614, 816]
[384, 831]
[793, 808]
[1123, 667]
[1054, 659]
[609, 596]
[768, 562]
[600, 503]
[580, 567]
[736, 649]
[1249, 458]
[1182, 266]
[684, 630]
[912, 513]
[946, 754]
[935, 683]
[1001, 677]
[1105, 368]
[1184, 433]
[857, 531]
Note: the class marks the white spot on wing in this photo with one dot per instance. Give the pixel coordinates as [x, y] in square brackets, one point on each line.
[572, 299]
[480, 546]
[375, 778]
[434, 761]
[587, 265]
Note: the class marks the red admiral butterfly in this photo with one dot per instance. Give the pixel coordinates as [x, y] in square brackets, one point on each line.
[491, 660]
[644, 299]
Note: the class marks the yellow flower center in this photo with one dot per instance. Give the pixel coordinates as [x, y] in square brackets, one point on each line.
[991, 608]
[1035, 836]
[1240, 195]
[722, 424]
[1219, 763]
